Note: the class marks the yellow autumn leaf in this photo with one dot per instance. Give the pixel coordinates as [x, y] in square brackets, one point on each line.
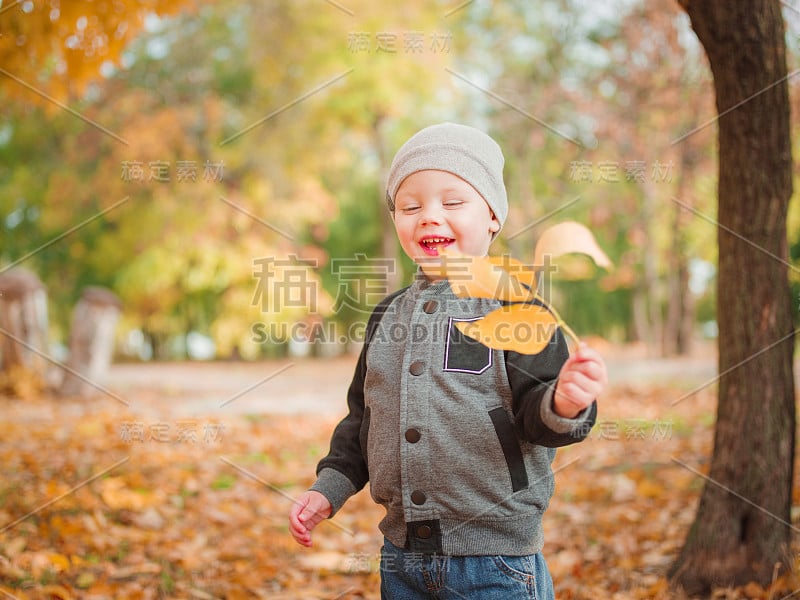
[59, 591]
[647, 488]
[567, 238]
[14, 547]
[525, 274]
[478, 277]
[13, 593]
[523, 328]
[59, 562]
[116, 494]
[575, 267]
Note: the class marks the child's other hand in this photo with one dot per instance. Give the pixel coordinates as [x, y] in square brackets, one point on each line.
[582, 379]
[308, 511]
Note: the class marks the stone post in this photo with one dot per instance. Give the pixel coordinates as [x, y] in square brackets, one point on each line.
[91, 341]
[23, 322]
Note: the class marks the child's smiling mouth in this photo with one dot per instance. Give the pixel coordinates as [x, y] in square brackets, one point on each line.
[431, 244]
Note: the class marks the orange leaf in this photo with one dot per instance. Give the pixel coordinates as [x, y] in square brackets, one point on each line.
[59, 562]
[477, 277]
[566, 238]
[13, 593]
[59, 591]
[523, 328]
[526, 274]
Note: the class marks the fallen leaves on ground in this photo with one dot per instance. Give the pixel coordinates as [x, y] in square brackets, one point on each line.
[98, 501]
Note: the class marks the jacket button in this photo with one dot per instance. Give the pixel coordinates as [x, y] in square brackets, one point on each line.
[424, 532]
[417, 367]
[430, 306]
[412, 435]
[418, 497]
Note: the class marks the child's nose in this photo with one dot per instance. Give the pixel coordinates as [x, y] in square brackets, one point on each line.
[431, 214]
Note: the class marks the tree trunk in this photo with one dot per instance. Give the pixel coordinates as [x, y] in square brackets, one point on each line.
[646, 295]
[680, 314]
[741, 530]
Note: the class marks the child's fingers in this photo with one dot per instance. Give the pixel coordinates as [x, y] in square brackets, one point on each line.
[581, 381]
[298, 506]
[588, 362]
[308, 511]
[578, 392]
[295, 523]
[298, 530]
[315, 511]
[300, 534]
[578, 382]
[586, 353]
[590, 369]
[297, 527]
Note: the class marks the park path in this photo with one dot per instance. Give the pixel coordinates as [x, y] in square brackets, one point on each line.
[318, 386]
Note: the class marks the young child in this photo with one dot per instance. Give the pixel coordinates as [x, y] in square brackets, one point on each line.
[455, 439]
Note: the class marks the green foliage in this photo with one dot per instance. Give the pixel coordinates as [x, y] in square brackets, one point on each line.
[301, 122]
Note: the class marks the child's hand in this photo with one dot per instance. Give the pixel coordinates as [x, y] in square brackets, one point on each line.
[582, 379]
[307, 512]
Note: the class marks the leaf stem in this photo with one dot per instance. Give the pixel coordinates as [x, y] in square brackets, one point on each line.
[561, 323]
[568, 330]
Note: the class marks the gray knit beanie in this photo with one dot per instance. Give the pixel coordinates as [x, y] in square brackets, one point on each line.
[458, 149]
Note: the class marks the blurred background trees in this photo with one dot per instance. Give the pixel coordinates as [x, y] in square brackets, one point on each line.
[219, 166]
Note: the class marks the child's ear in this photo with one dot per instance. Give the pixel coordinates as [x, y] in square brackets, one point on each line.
[494, 226]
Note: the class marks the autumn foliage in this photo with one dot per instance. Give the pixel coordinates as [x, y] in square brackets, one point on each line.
[175, 497]
[56, 49]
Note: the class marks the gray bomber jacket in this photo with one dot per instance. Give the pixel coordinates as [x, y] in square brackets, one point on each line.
[455, 439]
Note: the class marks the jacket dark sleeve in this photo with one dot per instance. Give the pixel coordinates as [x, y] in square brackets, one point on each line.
[343, 472]
[345, 457]
[533, 378]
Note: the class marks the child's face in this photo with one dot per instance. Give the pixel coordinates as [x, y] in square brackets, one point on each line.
[436, 209]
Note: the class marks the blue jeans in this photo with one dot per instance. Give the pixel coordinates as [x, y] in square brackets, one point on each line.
[413, 576]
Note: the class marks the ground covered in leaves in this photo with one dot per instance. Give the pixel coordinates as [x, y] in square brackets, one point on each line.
[157, 488]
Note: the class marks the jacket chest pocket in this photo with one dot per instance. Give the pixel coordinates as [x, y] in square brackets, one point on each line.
[462, 353]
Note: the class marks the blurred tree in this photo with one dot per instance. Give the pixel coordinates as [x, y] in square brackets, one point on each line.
[654, 74]
[161, 219]
[607, 86]
[526, 72]
[242, 86]
[587, 99]
[56, 49]
[357, 78]
[742, 529]
[219, 208]
[301, 105]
